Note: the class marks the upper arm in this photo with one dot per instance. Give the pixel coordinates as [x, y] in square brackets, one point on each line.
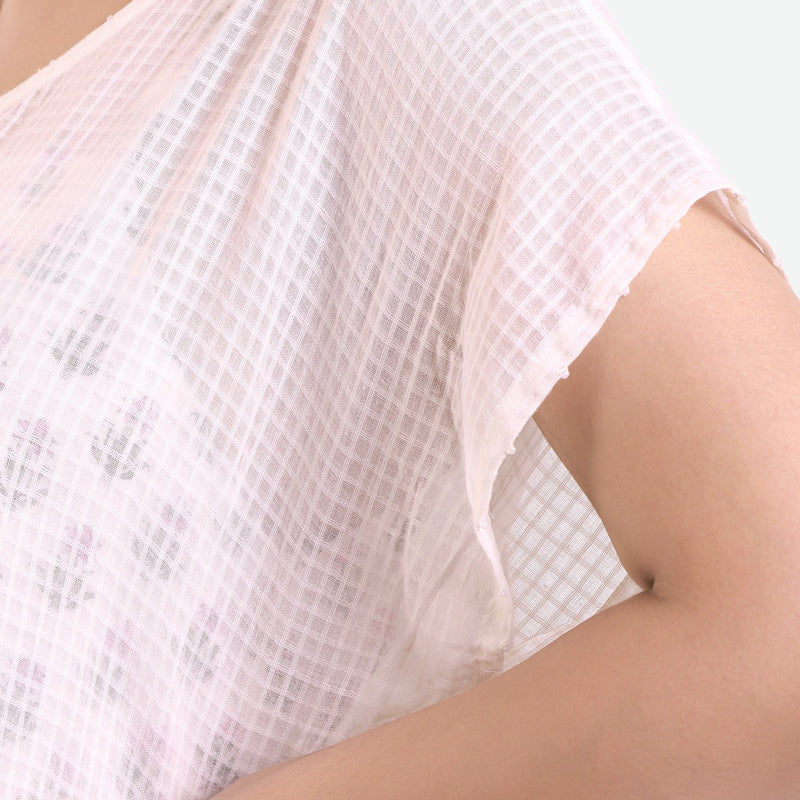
[681, 418]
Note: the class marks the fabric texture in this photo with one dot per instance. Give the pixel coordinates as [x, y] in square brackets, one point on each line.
[282, 285]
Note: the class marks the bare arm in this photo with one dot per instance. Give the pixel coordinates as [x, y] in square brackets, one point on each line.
[681, 422]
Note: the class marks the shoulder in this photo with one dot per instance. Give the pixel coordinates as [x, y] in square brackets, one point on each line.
[679, 419]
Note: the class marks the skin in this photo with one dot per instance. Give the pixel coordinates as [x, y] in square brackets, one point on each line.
[34, 32]
[681, 422]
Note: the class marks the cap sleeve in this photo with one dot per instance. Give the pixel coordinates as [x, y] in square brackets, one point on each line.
[598, 172]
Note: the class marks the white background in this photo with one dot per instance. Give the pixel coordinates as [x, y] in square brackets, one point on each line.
[731, 73]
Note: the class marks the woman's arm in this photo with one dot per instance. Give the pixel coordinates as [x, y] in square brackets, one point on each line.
[681, 422]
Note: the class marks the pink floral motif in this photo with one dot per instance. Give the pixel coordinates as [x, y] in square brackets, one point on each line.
[215, 764]
[63, 580]
[21, 684]
[234, 532]
[55, 784]
[141, 766]
[107, 674]
[81, 347]
[159, 544]
[49, 263]
[199, 649]
[120, 447]
[29, 463]
[204, 428]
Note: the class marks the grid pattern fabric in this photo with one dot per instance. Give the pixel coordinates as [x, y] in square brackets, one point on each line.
[283, 282]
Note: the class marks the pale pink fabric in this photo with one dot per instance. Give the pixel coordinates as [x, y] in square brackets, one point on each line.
[282, 284]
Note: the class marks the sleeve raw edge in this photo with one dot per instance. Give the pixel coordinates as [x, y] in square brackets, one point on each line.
[576, 330]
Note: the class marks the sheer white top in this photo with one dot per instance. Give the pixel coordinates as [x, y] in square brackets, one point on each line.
[281, 284]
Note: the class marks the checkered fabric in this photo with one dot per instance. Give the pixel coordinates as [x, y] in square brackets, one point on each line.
[282, 285]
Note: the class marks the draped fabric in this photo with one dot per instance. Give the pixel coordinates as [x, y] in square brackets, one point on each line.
[281, 284]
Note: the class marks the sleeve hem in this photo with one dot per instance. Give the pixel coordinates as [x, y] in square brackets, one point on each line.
[574, 332]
